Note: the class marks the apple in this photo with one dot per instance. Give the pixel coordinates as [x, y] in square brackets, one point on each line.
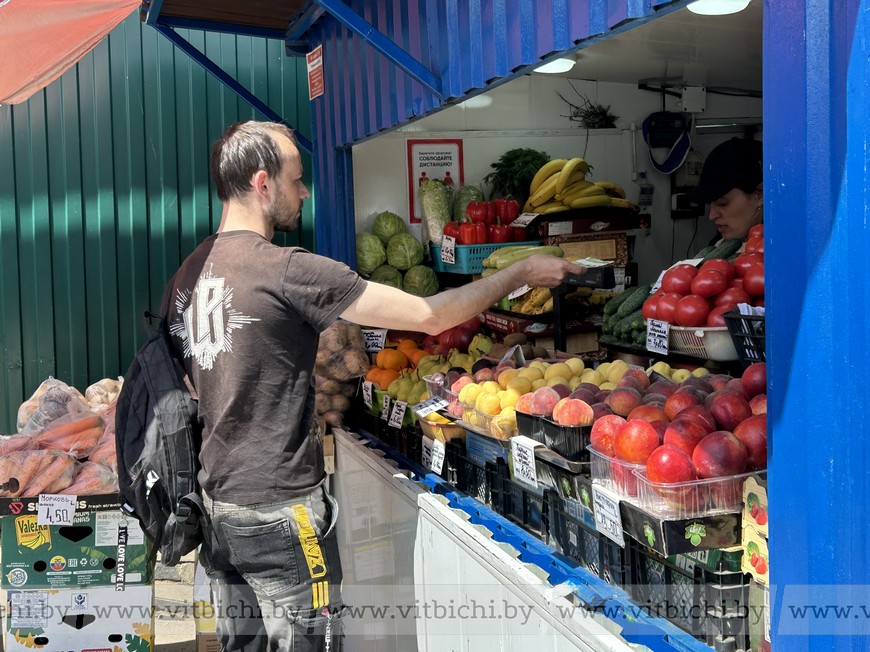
[758, 404]
[623, 400]
[573, 412]
[603, 433]
[754, 379]
[753, 433]
[729, 409]
[719, 454]
[635, 441]
[684, 433]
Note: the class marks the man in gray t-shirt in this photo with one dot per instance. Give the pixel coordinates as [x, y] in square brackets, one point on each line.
[245, 318]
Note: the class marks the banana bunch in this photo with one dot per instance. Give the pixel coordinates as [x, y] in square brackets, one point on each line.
[535, 302]
[561, 184]
[35, 540]
[589, 297]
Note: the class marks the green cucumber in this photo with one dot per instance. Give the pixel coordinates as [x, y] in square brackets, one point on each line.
[623, 326]
[641, 338]
[635, 301]
[706, 250]
[611, 306]
[723, 250]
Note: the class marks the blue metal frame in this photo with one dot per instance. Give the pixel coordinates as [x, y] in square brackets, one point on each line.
[300, 26]
[210, 66]
[223, 28]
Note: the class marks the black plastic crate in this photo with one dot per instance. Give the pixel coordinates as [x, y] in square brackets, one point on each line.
[411, 442]
[747, 333]
[578, 540]
[711, 605]
[515, 501]
[569, 441]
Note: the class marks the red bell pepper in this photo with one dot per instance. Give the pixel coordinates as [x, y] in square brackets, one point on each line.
[480, 212]
[519, 233]
[472, 233]
[506, 209]
[499, 233]
[452, 229]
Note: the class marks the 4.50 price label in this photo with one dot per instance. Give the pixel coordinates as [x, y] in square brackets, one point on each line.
[55, 509]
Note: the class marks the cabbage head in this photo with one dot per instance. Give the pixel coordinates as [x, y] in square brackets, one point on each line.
[387, 276]
[387, 225]
[421, 280]
[404, 251]
[370, 253]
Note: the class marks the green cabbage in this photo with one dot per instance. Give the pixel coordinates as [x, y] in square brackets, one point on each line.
[387, 276]
[421, 280]
[370, 253]
[464, 197]
[387, 225]
[404, 251]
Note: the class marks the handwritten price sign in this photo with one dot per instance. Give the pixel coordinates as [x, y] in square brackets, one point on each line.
[608, 519]
[657, 334]
[55, 509]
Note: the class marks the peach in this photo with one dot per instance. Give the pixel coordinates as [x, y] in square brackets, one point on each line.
[648, 413]
[729, 409]
[524, 404]
[719, 381]
[623, 400]
[670, 464]
[653, 398]
[604, 431]
[562, 390]
[589, 387]
[635, 441]
[639, 375]
[573, 412]
[701, 415]
[482, 375]
[698, 383]
[602, 395]
[583, 395]
[544, 399]
[630, 381]
[719, 454]
[684, 433]
[754, 379]
[758, 404]
[753, 433]
[601, 410]
[663, 387]
[461, 382]
[678, 402]
[736, 385]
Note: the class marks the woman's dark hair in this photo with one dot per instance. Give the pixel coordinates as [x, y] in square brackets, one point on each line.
[244, 149]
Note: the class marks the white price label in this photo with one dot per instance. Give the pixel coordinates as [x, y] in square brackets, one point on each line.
[426, 408]
[374, 338]
[426, 453]
[448, 249]
[525, 219]
[367, 393]
[523, 455]
[55, 509]
[438, 452]
[608, 519]
[657, 333]
[519, 292]
[397, 414]
[385, 407]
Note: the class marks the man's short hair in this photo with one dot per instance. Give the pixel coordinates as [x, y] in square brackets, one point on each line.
[244, 149]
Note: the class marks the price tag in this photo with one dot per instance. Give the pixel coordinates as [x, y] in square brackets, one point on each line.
[426, 453]
[397, 414]
[523, 455]
[438, 452]
[55, 509]
[525, 219]
[374, 338]
[385, 407]
[519, 292]
[426, 408]
[657, 284]
[657, 333]
[367, 393]
[608, 520]
[448, 249]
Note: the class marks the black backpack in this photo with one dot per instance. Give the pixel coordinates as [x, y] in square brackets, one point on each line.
[157, 436]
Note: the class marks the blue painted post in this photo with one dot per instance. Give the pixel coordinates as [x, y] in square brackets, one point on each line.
[817, 202]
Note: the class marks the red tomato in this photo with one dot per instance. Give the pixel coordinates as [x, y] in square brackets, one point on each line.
[754, 246]
[679, 279]
[692, 311]
[709, 283]
[666, 306]
[756, 231]
[715, 317]
[742, 263]
[732, 295]
[649, 308]
[758, 302]
[720, 265]
[736, 283]
[753, 280]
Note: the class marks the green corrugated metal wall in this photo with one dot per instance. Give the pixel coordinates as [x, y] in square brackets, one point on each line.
[104, 188]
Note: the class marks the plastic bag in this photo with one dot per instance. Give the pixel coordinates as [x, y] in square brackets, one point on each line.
[77, 434]
[103, 392]
[31, 472]
[58, 400]
[14, 443]
[341, 354]
[92, 479]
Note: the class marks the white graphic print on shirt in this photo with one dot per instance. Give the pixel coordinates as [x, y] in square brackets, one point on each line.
[208, 320]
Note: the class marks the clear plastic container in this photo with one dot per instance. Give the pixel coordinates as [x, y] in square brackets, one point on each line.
[435, 388]
[680, 500]
[441, 431]
[614, 474]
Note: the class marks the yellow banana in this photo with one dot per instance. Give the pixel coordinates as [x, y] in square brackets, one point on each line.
[547, 206]
[590, 202]
[612, 189]
[573, 188]
[553, 207]
[623, 203]
[546, 191]
[568, 170]
[590, 191]
[547, 170]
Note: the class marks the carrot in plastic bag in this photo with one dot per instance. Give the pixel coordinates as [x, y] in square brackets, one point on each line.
[105, 452]
[19, 468]
[54, 477]
[74, 433]
[14, 443]
[57, 402]
[93, 479]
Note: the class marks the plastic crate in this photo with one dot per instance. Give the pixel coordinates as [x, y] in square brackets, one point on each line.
[682, 500]
[481, 449]
[713, 343]
[711, 605]
[614, 474]
[747, 334]
[469, 258]
[515, 501]
[464, 474]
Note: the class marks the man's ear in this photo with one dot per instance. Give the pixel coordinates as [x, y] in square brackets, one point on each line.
[260, 182]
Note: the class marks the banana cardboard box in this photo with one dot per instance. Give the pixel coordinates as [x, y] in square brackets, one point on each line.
[98, 549]
[80, 620]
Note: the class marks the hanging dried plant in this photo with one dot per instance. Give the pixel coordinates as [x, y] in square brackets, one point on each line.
[590, 115]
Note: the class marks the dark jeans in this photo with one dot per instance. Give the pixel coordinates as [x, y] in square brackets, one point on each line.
[275, 574]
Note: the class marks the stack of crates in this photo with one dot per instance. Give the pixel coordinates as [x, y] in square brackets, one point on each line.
[518, 502]
[82, 586]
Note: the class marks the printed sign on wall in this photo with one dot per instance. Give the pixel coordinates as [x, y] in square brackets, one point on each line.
[315, 72]
[440, 159]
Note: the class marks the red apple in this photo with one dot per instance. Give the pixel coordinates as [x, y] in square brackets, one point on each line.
[623, 400]
[604, 432]
[758, 404]
[754, 379]
[719, 454]
[753, 433]
[635, 441]
[729, 409]
[684, 433]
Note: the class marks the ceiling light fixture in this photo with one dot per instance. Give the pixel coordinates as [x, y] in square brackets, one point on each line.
[717, 7]
[556, 66]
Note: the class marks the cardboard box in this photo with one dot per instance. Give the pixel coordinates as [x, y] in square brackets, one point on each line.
[96, 503]
[669, 537]
[606, 246]
[756, 555]
[755, 504]
[95, 619]
[591, 222]
[99, 549]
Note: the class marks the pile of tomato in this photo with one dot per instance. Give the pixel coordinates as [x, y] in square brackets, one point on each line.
[699, 296]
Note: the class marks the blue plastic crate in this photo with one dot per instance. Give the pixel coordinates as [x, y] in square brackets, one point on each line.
[469, 258]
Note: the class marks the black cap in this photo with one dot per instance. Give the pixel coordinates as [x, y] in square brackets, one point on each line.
[736, 163]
